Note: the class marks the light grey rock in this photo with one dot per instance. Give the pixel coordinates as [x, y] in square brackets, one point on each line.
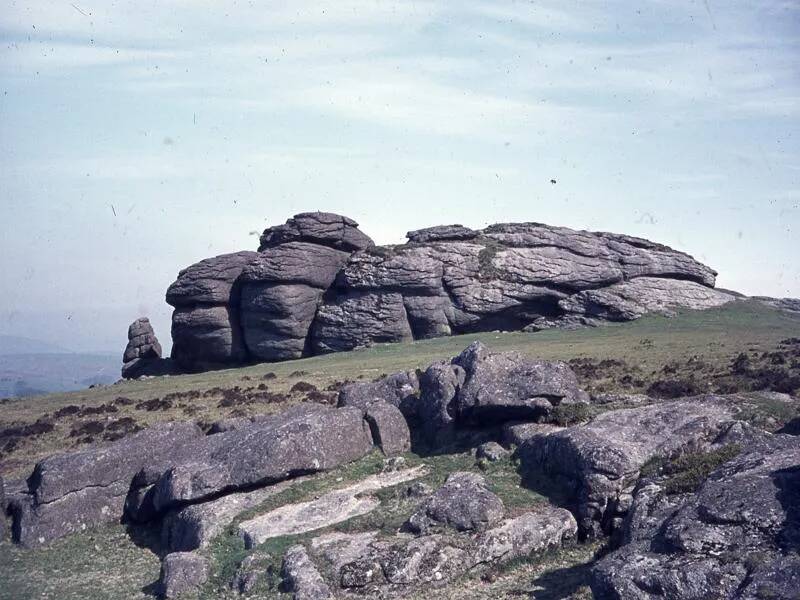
[250, 571]
[360, 319]
[194, 526]
[598, 462]
[387, 567]
[645, 295]
[516, 433]
[534, 532]
[491, 451]
[333, 507]
[182, 573]
[733, 538]
[266, 452]
[301, 576]
[464, 503]
[324, 229]
[479, 387]
[505, 386]
[429, 559]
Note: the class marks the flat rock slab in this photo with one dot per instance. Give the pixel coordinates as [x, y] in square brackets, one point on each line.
[329, 509]
[196, 525]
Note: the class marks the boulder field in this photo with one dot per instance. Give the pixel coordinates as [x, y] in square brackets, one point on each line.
[689, 497]
[318, 284]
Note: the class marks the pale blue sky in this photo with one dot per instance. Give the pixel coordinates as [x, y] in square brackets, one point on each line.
[139, 137]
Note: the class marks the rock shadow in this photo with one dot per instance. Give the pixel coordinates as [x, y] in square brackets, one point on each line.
[788, 483]
[560, 584]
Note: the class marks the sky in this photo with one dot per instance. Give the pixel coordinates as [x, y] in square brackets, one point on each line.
[138, 137]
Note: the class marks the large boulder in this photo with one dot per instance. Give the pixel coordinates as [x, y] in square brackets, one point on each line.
[77, 490]
[142, 355]
[301, 576]
[399, 389]
[737, 537]
[205, 325]
[358, 320]
[645, 295]
[265, 452]
[479, 387]
[464, 503]
[598, 463]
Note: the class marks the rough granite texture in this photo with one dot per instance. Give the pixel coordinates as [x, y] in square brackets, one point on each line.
[318, 284]
[737, 537]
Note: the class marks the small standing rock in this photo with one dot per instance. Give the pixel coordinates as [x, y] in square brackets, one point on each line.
[464, 503]
[302, 577]
[182, 572]
[491, 451]
[251, 570]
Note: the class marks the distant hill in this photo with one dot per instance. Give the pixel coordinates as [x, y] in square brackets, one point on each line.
[14, 344]
[30, 374]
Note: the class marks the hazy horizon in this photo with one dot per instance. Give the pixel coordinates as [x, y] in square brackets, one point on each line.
[138, 139]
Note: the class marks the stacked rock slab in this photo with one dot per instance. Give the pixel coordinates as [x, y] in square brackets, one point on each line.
[283, 288]
[205, 324]
[318, 284]
[460, 527]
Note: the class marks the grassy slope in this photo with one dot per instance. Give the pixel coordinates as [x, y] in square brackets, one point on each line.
[106, 563]
[716, 336]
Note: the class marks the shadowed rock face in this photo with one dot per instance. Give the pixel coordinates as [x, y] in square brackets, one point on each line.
[318, 284]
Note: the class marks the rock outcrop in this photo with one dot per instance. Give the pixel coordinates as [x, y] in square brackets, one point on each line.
[161, 470]
[598, 463]
[737, 537]
[469, 538]
[318, 284]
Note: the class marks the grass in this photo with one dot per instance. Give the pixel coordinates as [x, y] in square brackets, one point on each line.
[636, 353]
[687, 472]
